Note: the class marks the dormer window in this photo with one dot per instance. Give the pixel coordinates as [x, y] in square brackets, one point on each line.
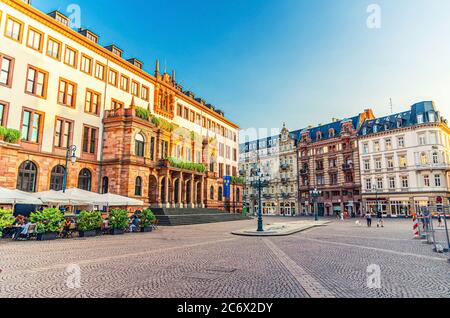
[399, 123]
[364, 131]
[432, 117]
[136, 63]
[319, 135]
[420, 119]
[331, 133]
[89, 35]
[115, 50]
[61, 18]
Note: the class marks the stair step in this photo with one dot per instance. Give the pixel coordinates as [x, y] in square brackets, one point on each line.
[177, 216]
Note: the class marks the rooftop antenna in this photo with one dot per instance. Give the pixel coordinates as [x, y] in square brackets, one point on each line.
[391, 105]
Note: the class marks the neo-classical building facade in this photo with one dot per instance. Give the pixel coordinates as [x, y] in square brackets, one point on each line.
[137, 134]
[276, 158]
[325, 157]
[405, 161]
[328, 161]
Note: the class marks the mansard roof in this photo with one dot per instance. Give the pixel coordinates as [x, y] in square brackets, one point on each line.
[420, 113]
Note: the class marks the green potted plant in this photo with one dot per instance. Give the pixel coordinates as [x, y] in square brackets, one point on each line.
[6, 219]
[12, 136]
[147, 219]
[118, 221]
[49, 222]
[3, 132]
[89, 223]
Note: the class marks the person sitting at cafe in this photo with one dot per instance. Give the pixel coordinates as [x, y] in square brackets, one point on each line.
[105, 225]
[134, 224]
[22, 229]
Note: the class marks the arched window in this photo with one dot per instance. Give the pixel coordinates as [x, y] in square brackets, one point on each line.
[331, 133]
[319, 135]
[138, 187]
[211, 193]
[84, 180]
[105, 185]
[139, 145]
[26, 179]
[220, 193]
[57, 178]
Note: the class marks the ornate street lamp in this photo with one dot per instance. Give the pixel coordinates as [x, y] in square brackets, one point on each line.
[72, 155]
[259, 181]
[315, 194]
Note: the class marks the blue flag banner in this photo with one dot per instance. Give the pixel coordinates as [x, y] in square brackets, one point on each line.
[227, 187]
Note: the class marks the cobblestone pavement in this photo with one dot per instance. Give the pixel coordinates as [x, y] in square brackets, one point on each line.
[207, 261]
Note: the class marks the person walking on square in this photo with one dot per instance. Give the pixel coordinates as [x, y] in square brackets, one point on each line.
[369, 219]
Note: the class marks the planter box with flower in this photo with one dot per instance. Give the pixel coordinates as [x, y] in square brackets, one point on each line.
[147, 220]
[89, 223]
[10, 136]
[6, 219]
[191, 166]
[49, 222]
[118, 221]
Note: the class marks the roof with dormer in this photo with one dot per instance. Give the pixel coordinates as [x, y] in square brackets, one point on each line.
[420, 113]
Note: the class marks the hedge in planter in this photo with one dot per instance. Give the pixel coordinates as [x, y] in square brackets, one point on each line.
[49, 222]
[89, 223]
[6, 219]
[147, 219]
[118, 221]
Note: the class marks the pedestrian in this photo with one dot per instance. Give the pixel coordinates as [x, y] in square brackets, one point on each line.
[380, 219]
[369, 219]
[440, 220]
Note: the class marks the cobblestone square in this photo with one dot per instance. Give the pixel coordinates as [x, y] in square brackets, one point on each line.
[208, 261]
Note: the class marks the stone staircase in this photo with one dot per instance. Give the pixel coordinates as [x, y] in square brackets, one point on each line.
[176, 217]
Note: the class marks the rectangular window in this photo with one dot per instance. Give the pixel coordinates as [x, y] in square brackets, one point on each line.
[135, 88]
[31, 126]
[100, 70]
[388, 144]
[86, 64]
[437, 180]
[403, 161]
[405, 182]
[6, 68]
[115, 104]
[90, 140]
[422, 139]
[3, 113]
[426, 180]
[401, 142]
[392, 182]
[36, 82]
[145, 95]
[63, 133]
[124, 83]
[54, 48]
[179, 110]
[35, 39]
[67, 93]
[71, 57]
[14, 29]
[113, 77]
[92, 103]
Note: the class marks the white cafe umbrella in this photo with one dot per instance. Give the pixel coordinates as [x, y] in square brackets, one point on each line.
[59, 198]
[110, 199]
[14, 197]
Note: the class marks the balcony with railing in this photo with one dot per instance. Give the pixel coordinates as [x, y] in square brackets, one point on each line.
[347, 166]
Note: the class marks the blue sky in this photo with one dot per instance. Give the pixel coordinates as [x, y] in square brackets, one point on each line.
[265, 62]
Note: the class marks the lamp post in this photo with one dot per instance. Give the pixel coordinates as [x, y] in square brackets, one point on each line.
[315, 194]
[258, 181]
[72, 155]
[375, 189]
